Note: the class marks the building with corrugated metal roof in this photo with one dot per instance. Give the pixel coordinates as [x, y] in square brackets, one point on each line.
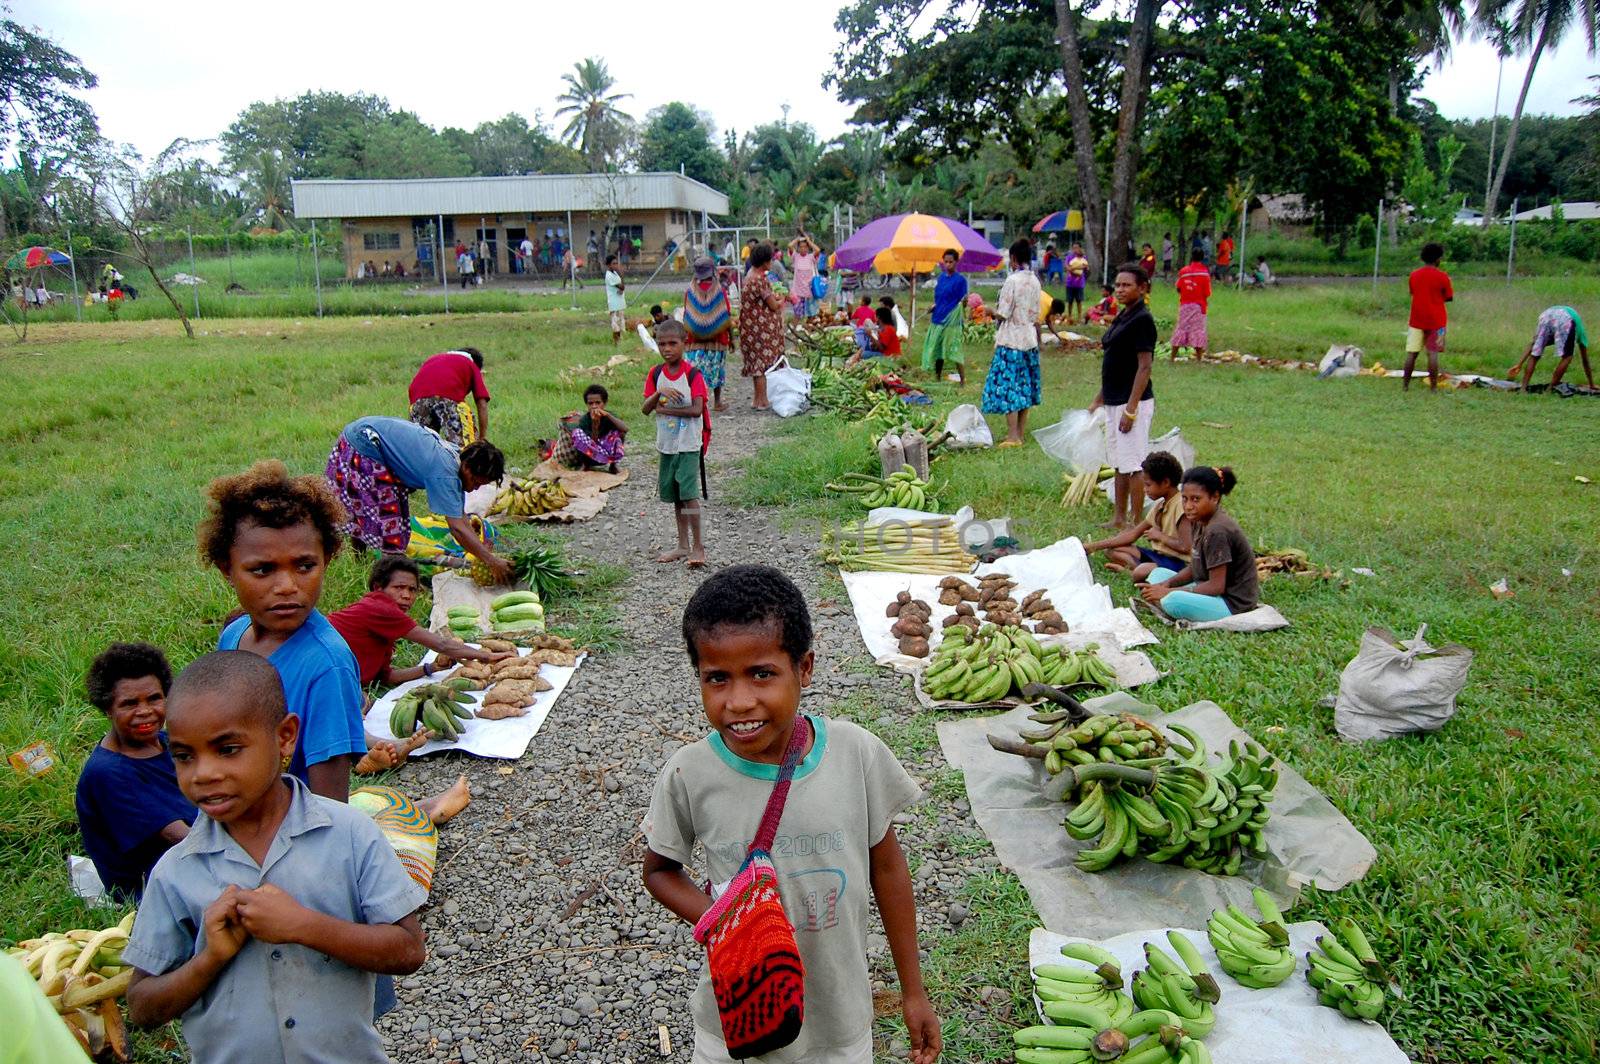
[421, 223]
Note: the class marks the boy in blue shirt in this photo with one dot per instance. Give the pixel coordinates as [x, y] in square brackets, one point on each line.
[263, 929]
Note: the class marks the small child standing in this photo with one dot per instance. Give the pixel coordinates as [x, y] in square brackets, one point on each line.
[616, 304]
[675, 392]
[748, 635]
[1430, 291]
[278, 908]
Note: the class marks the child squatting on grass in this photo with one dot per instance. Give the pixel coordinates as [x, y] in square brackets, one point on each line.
[1168, 531]
[748, 635]
[1220, 579]
[263, 929]
[675, 392]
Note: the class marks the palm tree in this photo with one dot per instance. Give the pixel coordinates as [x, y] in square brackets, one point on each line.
[266, 188]
[597, 125]
[1540, 24]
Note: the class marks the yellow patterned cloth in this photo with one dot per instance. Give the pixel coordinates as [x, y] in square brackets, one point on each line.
[469, 423]
[409, 830]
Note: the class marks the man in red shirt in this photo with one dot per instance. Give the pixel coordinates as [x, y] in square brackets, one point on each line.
[373, 623]
[1224, 256]
[1430, 291]
[1194, 295]
[439, 396]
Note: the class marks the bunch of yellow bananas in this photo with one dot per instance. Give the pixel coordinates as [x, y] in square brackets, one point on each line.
[82, 974]
[529, 498]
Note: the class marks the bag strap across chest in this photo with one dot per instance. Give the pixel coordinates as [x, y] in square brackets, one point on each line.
[768, 829]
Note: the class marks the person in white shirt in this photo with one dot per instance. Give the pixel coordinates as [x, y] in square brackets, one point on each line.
[616, 304]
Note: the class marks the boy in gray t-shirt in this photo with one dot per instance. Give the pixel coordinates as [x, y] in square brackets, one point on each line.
[748, 636]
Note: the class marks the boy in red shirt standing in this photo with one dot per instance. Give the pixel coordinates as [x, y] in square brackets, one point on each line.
[1430, 291]
[1194, 292]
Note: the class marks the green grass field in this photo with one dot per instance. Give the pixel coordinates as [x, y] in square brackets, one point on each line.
[1485, 890]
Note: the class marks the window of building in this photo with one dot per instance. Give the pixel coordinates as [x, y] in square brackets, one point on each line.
[380, 241]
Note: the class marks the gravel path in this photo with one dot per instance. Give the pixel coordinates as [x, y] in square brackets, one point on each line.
[542, 942]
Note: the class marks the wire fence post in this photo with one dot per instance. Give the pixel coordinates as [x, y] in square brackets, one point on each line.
[72, 262]
[227, 244]
[1105, 249]
[444, 277]
[194, 278]
[1244, 217]
[1511, 251]
[1377, 244]
[316, 265]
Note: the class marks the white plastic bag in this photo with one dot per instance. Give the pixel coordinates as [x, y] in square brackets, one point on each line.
[1077, 441]
[967, 428]
[648, 340]
[1173, 443]
[1342, 360]
[1395, 686]
[788, 389]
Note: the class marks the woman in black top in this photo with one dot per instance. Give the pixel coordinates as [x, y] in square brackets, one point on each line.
[1125, 391]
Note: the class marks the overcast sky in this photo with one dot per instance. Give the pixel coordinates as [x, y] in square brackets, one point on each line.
[179, 68]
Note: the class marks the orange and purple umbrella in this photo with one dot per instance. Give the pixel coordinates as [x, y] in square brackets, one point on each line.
[914, 243]
[35, 258]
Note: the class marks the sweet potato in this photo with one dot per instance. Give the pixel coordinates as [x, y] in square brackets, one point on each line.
[1003, 605]
[964, 609]
[1037, 606]
[952, 581]
[1048, 617]
[563, 658]
[914, 646]
[1031, 597]
[502, 710]
[952, 620]
[949, 597]
[522, 671]
[968, 593]
[498, 646]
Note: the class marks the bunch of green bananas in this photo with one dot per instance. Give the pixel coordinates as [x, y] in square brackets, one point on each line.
[1104, 737]
[437, 705]
[1064, 667]
[1245, 781]
[982, 666]
[1081, 487]
[1091, 996]
[843, 391]
[1346, 972]
[1186, 990]
[1256, 954]
[902, 488]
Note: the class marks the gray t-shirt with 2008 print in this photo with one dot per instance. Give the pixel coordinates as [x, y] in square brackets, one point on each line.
[845, 796]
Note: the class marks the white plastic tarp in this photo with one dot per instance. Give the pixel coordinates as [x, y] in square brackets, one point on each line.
[1308, 840]
[507, 738]
[1061, 569]
[1283, 1024]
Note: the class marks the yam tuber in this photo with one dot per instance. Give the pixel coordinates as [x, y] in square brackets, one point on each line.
[949, 597]
[502, 710]
[914, 646]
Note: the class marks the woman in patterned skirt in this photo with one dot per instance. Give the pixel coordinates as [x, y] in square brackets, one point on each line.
[708, 316]
[1012, 386]
[760, 323]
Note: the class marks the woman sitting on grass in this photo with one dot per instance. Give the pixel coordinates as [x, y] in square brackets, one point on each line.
[373, 623]
[1169, 532]
[1220, 579]
[130, 809]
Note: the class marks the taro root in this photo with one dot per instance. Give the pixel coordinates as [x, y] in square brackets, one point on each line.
[914, 646]
[1003, 605]
[952, 620]
[964, 609]
[905, 627]
[893, 609]
[1032, 597]
[952, 581]
[1049, 617]
[949, 597]
[904, 596]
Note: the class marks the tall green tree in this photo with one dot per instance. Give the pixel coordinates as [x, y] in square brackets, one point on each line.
[266, 191]
[514, 145]
[676, 135]
[315, 133]
[1533, 26]
[596, 125]
[38, 80]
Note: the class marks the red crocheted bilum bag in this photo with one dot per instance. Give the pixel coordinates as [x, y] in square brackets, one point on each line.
[756, 973]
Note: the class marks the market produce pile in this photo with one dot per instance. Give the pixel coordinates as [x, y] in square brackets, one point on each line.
[926, 545]
[992, 595]
[529, 498]
[541, 567]
[512, 685]
[436, 707]
[82, 975]
[1000, 661]
[1137, 799]
[514, 611]
[903, 489]
[1347, 974]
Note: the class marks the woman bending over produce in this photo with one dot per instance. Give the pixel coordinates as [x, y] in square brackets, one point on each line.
[377, 464]
[130, 809]
[1220, 579]
[376, 621]
[1168, 531]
